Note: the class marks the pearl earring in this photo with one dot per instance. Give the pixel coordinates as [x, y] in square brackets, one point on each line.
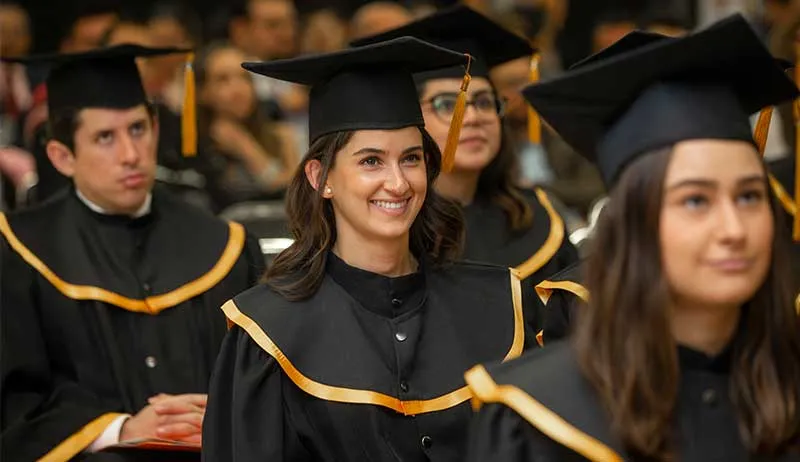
[328, 190]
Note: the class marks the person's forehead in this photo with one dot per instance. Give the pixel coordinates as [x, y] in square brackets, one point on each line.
[96, 116]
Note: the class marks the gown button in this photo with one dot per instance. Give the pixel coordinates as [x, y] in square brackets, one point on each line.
[709, 397]
[397, 302]
[401, 336]
[150, 362]
[426, 442]
[147, 289]
[404, 386]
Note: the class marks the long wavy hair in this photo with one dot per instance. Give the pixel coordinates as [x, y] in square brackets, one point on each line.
[436, 234]
[624, 342]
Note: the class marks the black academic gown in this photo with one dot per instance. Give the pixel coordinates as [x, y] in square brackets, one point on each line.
[562, 294]
[537, 252]
[368, 369]
[540, 408]
[101, 312]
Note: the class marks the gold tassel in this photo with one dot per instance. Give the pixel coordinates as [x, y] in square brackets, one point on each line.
[762, 129]
[449, 153]
[760, 135]
[796, 112]
[189, 116]
[534, 123]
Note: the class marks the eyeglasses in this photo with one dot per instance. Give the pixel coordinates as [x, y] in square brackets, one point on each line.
[444, 104]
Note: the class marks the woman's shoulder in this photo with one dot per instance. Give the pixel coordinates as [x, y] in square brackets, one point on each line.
[547, 389]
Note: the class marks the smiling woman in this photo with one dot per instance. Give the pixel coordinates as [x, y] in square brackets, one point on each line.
[689, 346]
[355, 346]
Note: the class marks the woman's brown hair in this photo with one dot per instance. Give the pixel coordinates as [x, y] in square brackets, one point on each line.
[297, 272]
[497, 182]
[624, 341]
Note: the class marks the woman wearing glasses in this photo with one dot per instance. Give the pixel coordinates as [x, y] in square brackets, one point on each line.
[504, 224]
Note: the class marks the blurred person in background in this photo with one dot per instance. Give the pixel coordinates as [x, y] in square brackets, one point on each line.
[552, 163]
[257, 157]
[782, 23]
[172, 24]
[272, 33]
[376, 17]
[323, 31]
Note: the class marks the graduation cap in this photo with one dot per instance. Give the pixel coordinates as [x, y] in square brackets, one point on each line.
[635, 99]
[463, 29]
[108, 78]
[363, 88]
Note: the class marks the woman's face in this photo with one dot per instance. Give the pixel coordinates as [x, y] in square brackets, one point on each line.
[479, 142]
[378, 184]
[228, 89]
[716, 224]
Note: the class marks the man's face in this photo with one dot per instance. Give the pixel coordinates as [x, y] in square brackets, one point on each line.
[273, 28]
[114, 160]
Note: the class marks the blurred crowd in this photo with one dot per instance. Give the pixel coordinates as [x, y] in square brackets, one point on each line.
[252, 131]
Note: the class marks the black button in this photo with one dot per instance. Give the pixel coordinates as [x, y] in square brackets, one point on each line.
[397, 302]
[404, 386]
[426, 442]
[401, 336]
[147, 289]
[710, 397]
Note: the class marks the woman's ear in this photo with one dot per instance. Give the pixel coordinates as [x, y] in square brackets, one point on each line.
[62, 157]
[313, 169]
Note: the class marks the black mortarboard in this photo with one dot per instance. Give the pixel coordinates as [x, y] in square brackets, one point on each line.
[100, 78]
[625, 103]
[464, 30]
[369, 87]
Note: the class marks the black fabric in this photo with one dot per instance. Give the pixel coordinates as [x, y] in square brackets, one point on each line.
[256, 412]
[368, 87]
[56, 366]
[109, 73]
[561, 309]
[490, 239]
[461, 29]
[706, 425]
[96, 250]
[647, 97]
[385, 296]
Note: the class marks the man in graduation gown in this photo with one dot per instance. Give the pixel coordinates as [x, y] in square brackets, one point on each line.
[110, 290]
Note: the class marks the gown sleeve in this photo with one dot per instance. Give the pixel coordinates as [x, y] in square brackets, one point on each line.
[499, 433]
[246, 418]
[41, 414]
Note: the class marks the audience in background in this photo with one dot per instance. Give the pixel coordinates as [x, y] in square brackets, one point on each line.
[376, 17]
[255, 157]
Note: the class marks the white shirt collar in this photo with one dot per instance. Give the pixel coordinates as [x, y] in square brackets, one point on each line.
[143, 210]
